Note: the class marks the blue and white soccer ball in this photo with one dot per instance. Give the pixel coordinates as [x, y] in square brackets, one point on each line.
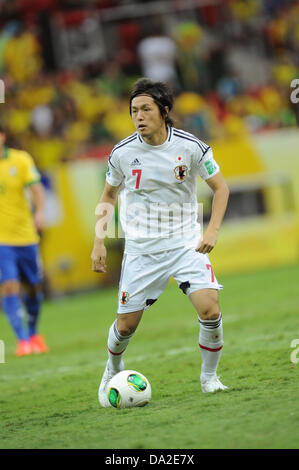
[128, 389]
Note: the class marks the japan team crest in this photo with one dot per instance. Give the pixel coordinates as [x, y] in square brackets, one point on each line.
[124, 297]
[181, 172]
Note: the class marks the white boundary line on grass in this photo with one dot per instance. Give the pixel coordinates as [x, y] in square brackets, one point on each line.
[62, 370]
[161, 356]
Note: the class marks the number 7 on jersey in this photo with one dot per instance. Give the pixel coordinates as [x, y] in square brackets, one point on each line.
[138, 173]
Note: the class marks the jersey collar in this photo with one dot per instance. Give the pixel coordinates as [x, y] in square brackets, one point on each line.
[166, 141]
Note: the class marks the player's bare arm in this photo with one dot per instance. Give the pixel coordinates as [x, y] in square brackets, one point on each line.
[220, 199]
[38, 199]
[105, 211]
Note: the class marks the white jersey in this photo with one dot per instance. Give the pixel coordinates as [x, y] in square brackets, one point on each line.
[158, 197]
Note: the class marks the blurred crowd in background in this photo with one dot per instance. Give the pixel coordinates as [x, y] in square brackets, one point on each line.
[68, 67]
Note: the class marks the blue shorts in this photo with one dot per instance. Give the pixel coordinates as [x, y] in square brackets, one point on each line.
[20, 263]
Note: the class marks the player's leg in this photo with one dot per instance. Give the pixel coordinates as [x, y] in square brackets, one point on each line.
[30, 271]
[206, 304]
[12, 307]
[32, 298]
[119, 336]
[194, 274]
[10, 293]
[120, 333]
[142, 280]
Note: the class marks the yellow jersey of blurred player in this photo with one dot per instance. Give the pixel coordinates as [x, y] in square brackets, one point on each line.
[19, 239]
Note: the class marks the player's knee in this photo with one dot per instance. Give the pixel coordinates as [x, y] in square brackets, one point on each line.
[10, 288]
[213, 316]
[127, 323]
[126, 330]
[34, 291]
[126, 326]
[211, 313]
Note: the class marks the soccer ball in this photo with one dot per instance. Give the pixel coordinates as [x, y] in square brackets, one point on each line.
[128, 389]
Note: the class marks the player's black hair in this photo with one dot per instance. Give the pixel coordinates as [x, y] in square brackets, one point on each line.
[159, 91]
[10, 140]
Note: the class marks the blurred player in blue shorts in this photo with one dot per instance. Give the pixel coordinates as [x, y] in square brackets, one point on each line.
[19, 245]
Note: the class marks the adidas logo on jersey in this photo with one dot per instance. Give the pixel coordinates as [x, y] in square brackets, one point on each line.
[135, 162]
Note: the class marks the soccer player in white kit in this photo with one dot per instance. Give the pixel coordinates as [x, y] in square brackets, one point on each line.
[155, 169]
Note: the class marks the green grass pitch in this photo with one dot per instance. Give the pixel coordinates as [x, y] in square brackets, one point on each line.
[50, 401]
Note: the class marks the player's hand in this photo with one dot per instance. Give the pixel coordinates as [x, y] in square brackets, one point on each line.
[208, 242]
[39, 220]
[98, 258]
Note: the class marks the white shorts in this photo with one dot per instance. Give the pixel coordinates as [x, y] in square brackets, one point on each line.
[144, 277]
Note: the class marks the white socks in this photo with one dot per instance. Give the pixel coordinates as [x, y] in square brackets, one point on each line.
[116, 347]
[210, 343]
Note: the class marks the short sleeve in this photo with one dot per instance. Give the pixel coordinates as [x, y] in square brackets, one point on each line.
[207, 166]
[30, 173]
[114, 175]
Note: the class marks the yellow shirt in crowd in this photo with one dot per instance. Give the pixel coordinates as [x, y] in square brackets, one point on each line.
[17, 171]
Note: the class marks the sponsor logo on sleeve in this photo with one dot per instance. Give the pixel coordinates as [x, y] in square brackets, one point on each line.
[210, 167]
